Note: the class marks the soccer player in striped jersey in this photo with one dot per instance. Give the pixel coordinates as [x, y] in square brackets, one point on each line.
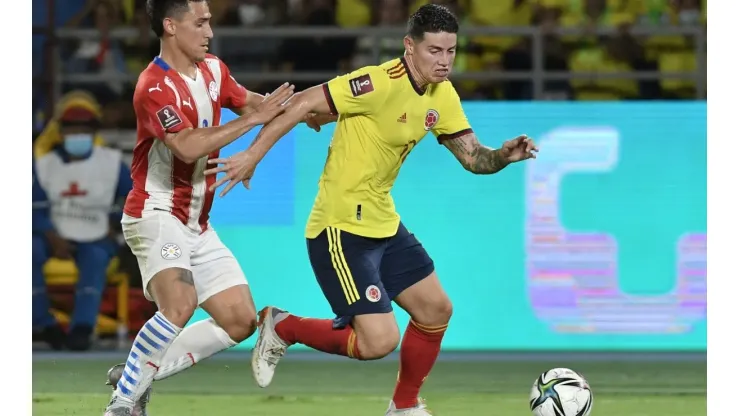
[178, 101]
[361, 253]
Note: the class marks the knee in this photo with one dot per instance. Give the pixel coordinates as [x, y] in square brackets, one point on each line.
[178, 312]
[240, 324]
[373, 347]
[95, 255]
[443, 310]
[174, 292]
[435, 313]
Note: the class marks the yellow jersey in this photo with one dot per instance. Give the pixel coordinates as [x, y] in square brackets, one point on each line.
[383, 115]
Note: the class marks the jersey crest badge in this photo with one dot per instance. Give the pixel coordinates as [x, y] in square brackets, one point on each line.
[213, 90]
[168, 118]
[361, 85]
[171, 251]
[431, 119]
[372, 293]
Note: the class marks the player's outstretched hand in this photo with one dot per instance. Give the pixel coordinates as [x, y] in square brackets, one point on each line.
[238, 168]
[273, 104]
[519, 148]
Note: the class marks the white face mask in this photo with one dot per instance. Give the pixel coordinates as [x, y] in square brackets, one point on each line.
[689, 17]
[250, 14]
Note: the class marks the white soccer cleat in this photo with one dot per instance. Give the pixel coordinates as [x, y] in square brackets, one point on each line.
[419, 410]
[269, 348]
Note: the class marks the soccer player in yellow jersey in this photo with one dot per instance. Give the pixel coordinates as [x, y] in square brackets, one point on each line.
[362, 255]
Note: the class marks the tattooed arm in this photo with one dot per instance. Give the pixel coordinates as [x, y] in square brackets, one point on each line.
[474, 156]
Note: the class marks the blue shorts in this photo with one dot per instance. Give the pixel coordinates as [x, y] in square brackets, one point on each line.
[361, 275]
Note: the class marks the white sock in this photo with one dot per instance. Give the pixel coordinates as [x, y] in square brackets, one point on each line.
[150, 346]
[194, 344]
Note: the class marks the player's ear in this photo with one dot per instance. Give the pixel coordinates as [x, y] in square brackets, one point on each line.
[169, 26]
[408, 45]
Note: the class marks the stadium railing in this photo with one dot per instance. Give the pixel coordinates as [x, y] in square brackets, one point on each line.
[538, 75]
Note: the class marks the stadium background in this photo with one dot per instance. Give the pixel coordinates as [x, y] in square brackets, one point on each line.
[621, 118]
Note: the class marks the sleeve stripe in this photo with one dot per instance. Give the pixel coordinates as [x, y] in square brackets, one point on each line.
[443, 137]
[329, 100]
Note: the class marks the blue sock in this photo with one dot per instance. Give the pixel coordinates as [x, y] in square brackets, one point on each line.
[145, 357]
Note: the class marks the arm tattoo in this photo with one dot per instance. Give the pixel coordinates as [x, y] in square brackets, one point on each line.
[474, 156]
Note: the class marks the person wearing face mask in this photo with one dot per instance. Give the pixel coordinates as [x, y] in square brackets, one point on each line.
[75, 187]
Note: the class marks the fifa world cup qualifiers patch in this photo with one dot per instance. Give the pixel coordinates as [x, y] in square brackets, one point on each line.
[361, 85]
[168, 117]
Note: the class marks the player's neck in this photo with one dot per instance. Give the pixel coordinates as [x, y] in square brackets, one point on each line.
[415, 75]
[178, 61]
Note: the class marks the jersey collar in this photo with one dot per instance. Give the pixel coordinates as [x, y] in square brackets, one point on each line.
[416, 86]
[161, 63]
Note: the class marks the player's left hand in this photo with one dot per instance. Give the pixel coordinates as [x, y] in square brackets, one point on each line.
[519, 148]
[238, 168]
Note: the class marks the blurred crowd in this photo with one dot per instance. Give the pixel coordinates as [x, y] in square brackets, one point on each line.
[581, 52]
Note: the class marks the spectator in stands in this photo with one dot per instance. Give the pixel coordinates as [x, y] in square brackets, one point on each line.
[547, 17]
[610, 54]
[75, 187]
[355, 13]
[317, 54]
[390, 13]
[499, 52]
[140, 50]
[676, 53]
[101, 55]
[253, 54]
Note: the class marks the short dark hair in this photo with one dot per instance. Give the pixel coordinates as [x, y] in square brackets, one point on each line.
[158, 10]
[431, 18]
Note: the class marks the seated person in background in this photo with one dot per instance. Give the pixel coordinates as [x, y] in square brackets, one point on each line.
[390, 13]
[677, 54]
[355, 13]
[316, 54]
[500, 52]
[75, 187]
[614, 53]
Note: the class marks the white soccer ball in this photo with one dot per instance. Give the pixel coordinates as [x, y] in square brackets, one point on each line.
[561, 392]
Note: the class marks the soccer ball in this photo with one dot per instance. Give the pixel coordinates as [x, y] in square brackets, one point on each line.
[561, 392]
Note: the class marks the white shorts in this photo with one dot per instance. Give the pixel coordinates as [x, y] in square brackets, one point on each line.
[160, 241]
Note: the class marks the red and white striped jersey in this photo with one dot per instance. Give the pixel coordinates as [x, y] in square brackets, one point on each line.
[166, 101]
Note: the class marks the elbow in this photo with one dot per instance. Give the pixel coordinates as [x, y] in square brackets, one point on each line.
[470, 166]
[187, 157]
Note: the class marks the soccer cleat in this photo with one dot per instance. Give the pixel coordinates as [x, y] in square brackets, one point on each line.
[419, 410]
[114, 374]
[269, 348]
[117, 407]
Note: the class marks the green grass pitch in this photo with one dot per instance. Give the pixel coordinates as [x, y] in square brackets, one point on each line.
[460, 387]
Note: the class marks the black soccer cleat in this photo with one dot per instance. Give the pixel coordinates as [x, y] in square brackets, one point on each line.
[114, 374]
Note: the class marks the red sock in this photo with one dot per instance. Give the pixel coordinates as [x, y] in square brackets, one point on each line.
[319, 335]
[419, 351]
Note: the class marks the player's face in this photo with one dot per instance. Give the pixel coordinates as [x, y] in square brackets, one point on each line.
[193, 31]
[434, 55]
